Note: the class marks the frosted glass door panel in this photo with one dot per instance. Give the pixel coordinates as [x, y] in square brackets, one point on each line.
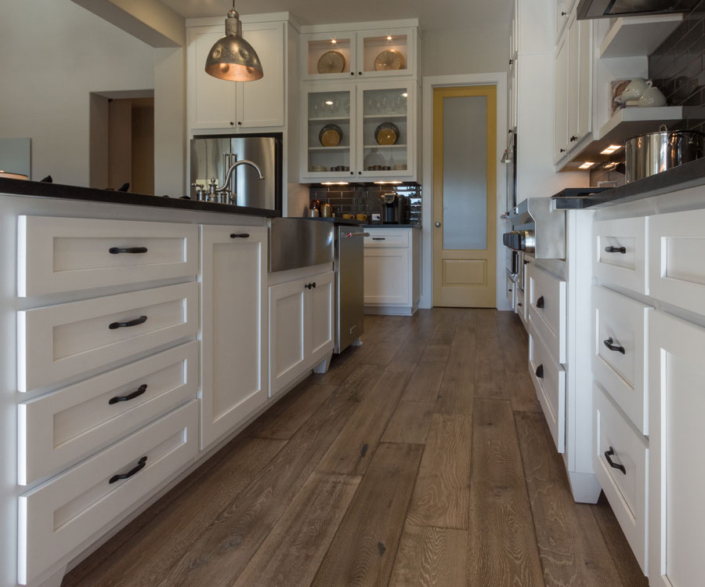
[465, 173]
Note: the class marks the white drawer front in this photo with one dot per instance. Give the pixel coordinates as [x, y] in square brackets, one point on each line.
[390, 238]
[620, 335]
[78, 506]
[59, 342]
[677, 259]
[549, 380]
[72, 254]
[625, 488]
[511, 292]
[548, 311]
[60, 428]
[620, 253]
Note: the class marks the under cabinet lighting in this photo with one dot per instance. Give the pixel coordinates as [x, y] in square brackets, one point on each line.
[611, 149]
[388, 182]
[335, 183]
[586, 165]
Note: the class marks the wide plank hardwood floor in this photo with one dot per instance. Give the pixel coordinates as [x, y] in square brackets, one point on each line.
[421, 458]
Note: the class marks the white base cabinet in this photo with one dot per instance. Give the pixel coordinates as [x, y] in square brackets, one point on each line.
[234, 327]
[301, 323]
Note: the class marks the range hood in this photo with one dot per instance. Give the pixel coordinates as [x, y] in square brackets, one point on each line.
[591, 9]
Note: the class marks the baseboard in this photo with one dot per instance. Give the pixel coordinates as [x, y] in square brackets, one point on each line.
[390, 310]
[585, 487]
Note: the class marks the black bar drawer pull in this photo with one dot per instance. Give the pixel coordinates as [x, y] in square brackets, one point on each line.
[136, 322]
[128, 250]
[240, 235]
[540, 303]
[609, 343]
[622, 250]
[140, 465]
[539, 371]
[126, 398]
[608, 455]
[378, 238]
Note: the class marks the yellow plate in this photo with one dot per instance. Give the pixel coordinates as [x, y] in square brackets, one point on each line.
[330, 138]
[386, 137]
[389, 60]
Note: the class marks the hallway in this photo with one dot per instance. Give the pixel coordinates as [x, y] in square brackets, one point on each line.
[420, 458]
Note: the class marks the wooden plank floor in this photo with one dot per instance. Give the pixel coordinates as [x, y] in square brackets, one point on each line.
[421, 458]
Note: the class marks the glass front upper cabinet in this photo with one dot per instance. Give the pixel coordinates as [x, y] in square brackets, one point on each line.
[330, 135]
[328, 56]
[384, 53]
[386, 131]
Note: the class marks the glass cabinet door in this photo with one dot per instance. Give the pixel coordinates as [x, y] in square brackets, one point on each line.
[328, 56]
[385, 53]
[330, 136]
[386, 132]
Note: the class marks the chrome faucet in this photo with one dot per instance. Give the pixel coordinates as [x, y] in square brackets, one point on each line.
[226, 195]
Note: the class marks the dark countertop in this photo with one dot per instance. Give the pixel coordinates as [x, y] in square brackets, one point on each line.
[391, 226]
[686, 176]
[336, 220]
[18, 187]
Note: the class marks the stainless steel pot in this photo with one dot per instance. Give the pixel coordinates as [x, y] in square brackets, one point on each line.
[655, 152]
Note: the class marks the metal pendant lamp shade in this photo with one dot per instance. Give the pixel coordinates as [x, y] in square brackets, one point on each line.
[232, 58]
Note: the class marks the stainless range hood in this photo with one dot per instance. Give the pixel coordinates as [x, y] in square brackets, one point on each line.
[591, 9]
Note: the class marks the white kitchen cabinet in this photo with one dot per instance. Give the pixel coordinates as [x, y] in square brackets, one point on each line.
[234, 327]
[677, 435]
[301, 323]
[561, 100]
[221, 104]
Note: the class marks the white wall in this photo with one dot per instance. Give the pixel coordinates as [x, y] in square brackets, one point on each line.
[462, 51]
[54, 53]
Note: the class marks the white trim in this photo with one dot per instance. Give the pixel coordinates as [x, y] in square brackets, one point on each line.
[498, 79]
[244, 18]
[359, 26]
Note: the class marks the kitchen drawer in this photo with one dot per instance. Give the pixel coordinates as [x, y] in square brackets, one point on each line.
[511, 292]
[385, 239]
[58, 342]
[547, 310]
[60, 428]
[77, 507]
[625, 481]
[73, 254]
[622, 324]
[677, 259]
[620, 253]
[549, 381]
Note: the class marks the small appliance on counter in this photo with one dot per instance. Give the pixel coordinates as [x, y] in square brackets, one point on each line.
[397, 209]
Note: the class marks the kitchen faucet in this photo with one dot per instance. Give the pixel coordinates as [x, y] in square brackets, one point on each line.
[223, 195]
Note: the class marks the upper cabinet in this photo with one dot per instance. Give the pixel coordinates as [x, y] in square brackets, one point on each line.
[377, 53]
[220, 104]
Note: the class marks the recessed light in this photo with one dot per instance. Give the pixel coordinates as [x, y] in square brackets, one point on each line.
[389, 37]
[404, 95]
[586, 165]
[334, 41]
[329, 102]
[611, 149]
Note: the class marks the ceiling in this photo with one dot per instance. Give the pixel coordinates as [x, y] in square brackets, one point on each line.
[434, 15]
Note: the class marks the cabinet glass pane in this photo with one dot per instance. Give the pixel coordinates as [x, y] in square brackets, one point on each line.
[329, 132]
[385, 52]
[465, 173]
[385, 126]
[329, 56]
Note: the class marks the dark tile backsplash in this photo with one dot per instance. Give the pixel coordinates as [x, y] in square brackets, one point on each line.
[366, 199]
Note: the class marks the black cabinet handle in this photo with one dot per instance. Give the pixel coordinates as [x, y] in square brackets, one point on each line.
[308, 286]
[519, 304]
[126, 398]
[314, 285]
[573, 139]
[622, 250]
[378, 238]
[135, 322]
[609, 343]
[540, 303]
[140, 465]
[128, 250]
[608, 454]
[240, 235]
[539, 371]
[562, 150]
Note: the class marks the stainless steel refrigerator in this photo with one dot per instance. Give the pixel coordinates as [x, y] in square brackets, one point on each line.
[212, 155]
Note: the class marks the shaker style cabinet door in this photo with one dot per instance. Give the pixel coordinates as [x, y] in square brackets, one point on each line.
[234, 322]
[561, 101]
[321, 300]
[676, 438]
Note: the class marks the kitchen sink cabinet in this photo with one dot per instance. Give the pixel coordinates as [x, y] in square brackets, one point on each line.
[220, 104]
[301, 324]
[234, 327]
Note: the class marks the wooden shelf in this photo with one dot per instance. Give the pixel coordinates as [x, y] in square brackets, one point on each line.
[636, 36]
[338, 148]
[329, 119]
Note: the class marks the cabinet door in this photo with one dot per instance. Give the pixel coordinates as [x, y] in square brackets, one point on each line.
[677, 435]
[211, 100]
[261, 103]
[320, 307]
[573, 79]
[287, 332]
[386, 53]
[561, 101]
[328, 56]
[585, 81]
[234, 324]
[387, 277]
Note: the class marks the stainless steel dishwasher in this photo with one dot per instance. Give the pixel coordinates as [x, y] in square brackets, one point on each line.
[350, 275]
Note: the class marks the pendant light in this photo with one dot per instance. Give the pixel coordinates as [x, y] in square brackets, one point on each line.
[232, 58]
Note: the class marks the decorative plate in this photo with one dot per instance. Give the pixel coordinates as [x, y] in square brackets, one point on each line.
[387, 133]
[331, 62]
[331, 135]
[389, 60]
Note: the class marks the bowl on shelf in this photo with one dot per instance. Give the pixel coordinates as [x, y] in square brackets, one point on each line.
[387, 133]
[331, 135]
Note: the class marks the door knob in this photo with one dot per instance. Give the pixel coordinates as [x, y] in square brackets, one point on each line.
[438, 224]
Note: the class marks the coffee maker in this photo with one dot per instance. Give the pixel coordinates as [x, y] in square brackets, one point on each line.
[396, 209]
